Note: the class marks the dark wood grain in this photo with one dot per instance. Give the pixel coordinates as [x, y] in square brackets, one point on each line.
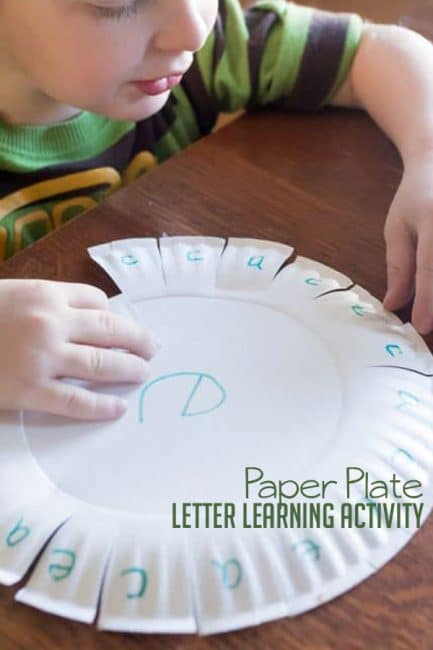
[323, 183]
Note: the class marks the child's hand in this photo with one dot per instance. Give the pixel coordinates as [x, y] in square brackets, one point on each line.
[409, 243]
[50, 330]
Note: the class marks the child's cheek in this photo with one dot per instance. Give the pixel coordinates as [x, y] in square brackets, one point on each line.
[92, 74]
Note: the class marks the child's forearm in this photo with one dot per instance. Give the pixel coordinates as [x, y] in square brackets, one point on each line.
[392, 78]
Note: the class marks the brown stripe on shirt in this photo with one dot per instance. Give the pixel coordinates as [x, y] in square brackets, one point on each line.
[150, 130]
[219, 31]
[320, 62]
[202, 102]
[259, 25]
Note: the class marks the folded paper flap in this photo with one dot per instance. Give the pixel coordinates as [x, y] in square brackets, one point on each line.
[143, 267]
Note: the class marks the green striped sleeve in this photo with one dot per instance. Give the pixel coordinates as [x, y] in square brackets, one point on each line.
[278, 52]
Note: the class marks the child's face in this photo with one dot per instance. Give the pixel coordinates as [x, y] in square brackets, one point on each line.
[73, 52]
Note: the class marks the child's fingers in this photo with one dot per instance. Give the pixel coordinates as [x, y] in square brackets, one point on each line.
[106, 329]
[64, 399]
[400, 263]
[97, 364]
[82, 296]
[422, 313]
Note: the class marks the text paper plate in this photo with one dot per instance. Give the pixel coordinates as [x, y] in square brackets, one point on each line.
[287, 368]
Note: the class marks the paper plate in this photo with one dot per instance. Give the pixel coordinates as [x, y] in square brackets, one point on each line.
[271, 370]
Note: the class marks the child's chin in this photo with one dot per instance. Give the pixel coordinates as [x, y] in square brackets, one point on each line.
[135, 110]
[145, 107]
[152, 105]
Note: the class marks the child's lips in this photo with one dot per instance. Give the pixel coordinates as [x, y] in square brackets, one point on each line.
[158, 86]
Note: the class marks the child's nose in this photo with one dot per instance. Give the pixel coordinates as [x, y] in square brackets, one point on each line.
[184, 28]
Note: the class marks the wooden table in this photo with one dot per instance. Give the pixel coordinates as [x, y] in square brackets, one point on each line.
[323, 183]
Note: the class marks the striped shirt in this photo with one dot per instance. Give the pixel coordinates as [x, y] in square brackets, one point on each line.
[275, 53]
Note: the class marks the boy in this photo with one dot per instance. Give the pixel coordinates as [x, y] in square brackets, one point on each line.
[95, 92]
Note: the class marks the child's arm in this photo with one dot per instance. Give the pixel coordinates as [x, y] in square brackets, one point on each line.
[392, 78]
[50, 330]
